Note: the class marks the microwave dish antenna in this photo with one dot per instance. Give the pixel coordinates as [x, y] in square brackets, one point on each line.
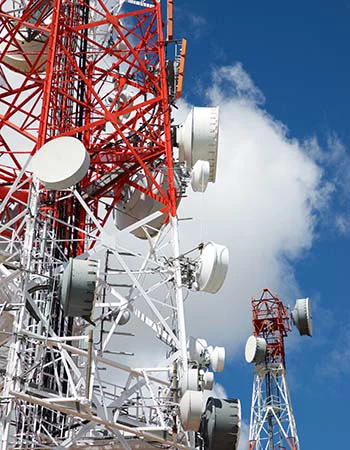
[198, 138]
[78, 288]
[217, 358]
[200, 176]
[61, 163]
[221, 424]
[302, 317]
[198, 350]
[212, 267]
[208, 380]
[255, 350]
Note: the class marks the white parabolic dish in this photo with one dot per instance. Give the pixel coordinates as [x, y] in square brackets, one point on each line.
[198, 138]
[196, 349]
[191, 410]
[217, 359]
[61, 163]
[200, 176]
[302, 316]
[255, 349]
[212, 272]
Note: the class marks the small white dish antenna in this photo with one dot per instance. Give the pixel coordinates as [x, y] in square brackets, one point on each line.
[302, 316]
[198, 138]
[208, 381]
[191, 410]
[200, 176]
[255, 350]
[217, 358]
[189, 381]
[197, 349]
[61, 163]
[213, 266]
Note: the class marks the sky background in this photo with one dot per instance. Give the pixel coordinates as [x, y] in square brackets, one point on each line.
[280, 72]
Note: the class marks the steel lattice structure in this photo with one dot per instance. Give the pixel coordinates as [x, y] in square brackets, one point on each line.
[272, 423]
[96, 71]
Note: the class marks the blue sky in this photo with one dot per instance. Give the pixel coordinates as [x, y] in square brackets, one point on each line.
[297, 56]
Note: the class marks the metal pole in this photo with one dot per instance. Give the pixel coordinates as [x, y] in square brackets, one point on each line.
[13, 370]
[179, 293]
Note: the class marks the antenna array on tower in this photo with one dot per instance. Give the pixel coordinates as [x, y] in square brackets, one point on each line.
[272, 423]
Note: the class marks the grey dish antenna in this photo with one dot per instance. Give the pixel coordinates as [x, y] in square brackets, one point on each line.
[302, 317]
[78, 288]
[221, 424]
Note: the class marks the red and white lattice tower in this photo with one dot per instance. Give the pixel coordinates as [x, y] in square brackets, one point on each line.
[93, 346]
[272, 423]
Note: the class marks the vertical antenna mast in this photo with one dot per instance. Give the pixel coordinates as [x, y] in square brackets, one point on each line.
[272, 423]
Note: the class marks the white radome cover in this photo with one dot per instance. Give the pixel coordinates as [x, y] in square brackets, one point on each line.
[213, 268]
[191, 410]
[302, 316]
[190, 380]
[196, 348]
[255, 349]
[61, 163]
[217, 359]
[199, 136]
[208, 381]
[200, 176]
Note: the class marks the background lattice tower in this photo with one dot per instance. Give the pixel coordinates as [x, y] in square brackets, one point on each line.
[272, 422]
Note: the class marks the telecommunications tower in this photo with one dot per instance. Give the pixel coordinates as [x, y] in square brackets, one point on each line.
[93, 345]
[272, 423]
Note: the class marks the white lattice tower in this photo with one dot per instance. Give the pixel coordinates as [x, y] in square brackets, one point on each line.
[272, 423]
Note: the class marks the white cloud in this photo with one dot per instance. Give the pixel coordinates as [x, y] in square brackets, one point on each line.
[243, 441]
[197, 20]
[234, 81]
[264, 207]
[335, 160]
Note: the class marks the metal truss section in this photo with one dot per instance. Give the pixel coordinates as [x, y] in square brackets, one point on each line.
[272, 423]
[63, 376]
[272, 420]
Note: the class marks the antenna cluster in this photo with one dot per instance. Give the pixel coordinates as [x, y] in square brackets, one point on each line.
[94, 348]
[272, 423]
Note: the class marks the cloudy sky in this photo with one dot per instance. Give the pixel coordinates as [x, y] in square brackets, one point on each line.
[280, 74]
